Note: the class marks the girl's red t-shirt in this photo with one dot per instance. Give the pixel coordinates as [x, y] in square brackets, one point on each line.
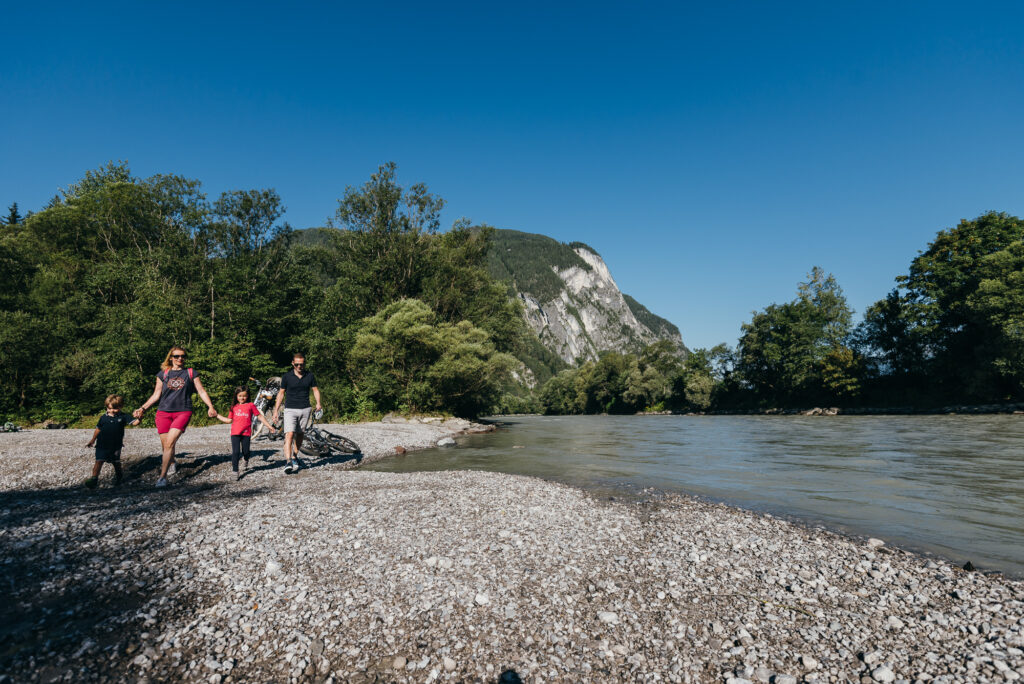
[241, 418]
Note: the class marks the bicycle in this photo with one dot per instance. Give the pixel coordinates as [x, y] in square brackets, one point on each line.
[264, 401]
[322, 443]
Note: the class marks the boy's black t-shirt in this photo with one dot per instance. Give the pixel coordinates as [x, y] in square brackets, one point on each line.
[296, 389]
[111, 429]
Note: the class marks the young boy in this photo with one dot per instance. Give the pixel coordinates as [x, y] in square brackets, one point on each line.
[108, 438]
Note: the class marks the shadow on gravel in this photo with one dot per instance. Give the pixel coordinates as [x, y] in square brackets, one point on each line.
[72, 594]
[509, 677]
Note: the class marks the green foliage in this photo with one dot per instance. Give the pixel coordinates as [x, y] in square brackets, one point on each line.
[13, 215]
[660, 326]
[783, 350]
[525, 261]
[405, 359]
[95, 288]
[948, 332]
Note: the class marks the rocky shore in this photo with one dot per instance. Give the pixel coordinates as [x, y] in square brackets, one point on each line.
[345, 575]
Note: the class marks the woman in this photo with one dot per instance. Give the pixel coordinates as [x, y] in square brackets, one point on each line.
[174, 387]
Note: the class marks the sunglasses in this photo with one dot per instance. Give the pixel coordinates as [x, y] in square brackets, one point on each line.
[177, 356]
[300, 363]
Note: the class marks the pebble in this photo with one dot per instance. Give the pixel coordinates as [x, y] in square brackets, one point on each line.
[459, 571]
[883, 674]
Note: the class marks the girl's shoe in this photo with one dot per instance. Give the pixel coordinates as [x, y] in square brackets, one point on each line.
[91, 482]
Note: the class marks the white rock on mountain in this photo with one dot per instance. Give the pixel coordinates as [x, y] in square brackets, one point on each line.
[589, 315]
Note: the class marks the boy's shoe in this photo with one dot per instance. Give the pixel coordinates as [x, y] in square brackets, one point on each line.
[162, 482]
[91, 482]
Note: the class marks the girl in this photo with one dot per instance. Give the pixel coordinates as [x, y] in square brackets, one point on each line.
[242, 412]
[174, 387]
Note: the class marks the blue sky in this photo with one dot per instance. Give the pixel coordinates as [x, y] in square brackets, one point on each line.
[712, 153]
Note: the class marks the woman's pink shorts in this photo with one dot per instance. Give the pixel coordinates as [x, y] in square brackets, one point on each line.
[166, 420]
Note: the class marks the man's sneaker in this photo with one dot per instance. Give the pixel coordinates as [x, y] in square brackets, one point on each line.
[162, 482]
[298, 463]
[173, 468]
[90, 483]
[290, 468]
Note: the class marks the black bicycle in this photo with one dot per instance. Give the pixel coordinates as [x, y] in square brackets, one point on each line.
[322, 443]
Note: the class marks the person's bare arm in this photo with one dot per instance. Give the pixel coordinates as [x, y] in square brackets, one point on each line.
[95, 434]
[222, 418]
[277, 403]
[210, 411]
[263, 419]
[316, 395]
[153, 398]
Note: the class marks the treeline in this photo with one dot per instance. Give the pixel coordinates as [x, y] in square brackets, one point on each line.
[392, 313]
[951, 331]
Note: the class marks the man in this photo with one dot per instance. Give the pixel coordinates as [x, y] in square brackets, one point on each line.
[295, 386]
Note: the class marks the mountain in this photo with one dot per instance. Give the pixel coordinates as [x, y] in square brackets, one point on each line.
[570, 298]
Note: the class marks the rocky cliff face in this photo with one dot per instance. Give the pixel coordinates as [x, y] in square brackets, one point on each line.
[571, 300]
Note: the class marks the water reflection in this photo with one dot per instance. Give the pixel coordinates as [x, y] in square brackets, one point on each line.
[949, 484]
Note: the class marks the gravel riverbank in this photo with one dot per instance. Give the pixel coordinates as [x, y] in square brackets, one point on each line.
[360, 576]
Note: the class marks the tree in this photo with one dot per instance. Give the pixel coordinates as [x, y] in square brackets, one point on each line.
[783, 350]
[939, 333]
[405, 358]
[13, 215]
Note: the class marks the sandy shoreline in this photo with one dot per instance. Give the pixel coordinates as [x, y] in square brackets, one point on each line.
[452, 576]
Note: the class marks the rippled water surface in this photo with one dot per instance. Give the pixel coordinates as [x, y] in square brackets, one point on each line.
[953, 485]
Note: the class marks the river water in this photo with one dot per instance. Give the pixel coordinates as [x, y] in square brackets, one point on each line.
[951, 485]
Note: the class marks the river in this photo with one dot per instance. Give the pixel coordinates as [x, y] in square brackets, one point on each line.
[950, 485]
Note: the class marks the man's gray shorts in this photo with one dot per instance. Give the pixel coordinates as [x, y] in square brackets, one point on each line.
[296, 420]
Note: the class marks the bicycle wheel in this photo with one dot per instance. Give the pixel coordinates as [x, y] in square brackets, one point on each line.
[339, 443]
[312, 450]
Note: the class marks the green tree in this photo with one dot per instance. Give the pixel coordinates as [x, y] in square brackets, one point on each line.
[783, 350]
[13, 215]
[404, 358]
[938, 333]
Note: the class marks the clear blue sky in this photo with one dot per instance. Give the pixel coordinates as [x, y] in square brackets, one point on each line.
[712, 153]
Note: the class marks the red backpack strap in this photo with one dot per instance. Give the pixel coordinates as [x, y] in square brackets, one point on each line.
[191, 374]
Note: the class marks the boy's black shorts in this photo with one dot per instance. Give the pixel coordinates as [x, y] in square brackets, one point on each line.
[108, 455]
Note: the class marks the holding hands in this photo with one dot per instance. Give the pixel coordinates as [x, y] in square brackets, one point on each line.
[211, 412]
[137, 413]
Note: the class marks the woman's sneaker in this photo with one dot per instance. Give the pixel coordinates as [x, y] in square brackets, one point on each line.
[162, 482]
[290, 468]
